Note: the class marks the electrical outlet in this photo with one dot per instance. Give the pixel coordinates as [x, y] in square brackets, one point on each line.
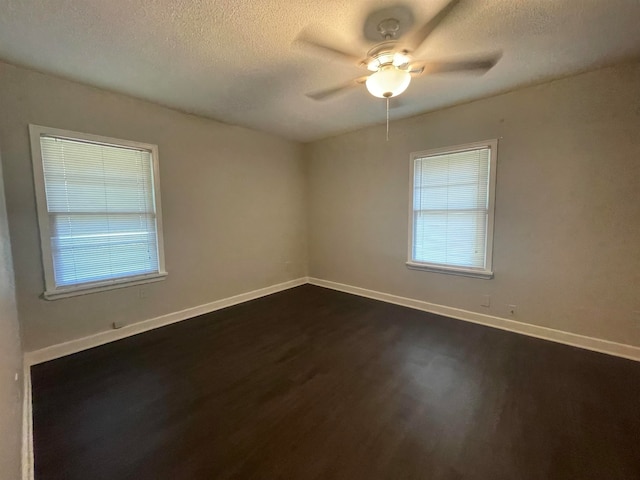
[17, 376]
[486, 301]
[513, 310]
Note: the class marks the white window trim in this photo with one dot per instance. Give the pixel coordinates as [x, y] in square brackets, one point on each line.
[487, 272]
[51, 292]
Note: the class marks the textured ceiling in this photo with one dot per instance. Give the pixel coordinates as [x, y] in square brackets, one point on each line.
[236, 60]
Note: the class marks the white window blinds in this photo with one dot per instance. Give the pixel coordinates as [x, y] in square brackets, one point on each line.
[451, 211]
[101, 211]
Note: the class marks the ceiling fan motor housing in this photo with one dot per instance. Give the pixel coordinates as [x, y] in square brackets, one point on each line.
[387, 53]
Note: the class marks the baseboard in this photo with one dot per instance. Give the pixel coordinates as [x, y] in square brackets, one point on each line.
[27, 425]
[575, 340]
[559, 336]
[74, 346]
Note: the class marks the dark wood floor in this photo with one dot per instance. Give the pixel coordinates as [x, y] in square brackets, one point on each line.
[316, 384]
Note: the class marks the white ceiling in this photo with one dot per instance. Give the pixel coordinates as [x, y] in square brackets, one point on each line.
[236, 61]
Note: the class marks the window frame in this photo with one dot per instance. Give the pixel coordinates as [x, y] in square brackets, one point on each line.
[53, 292]
[487, 271]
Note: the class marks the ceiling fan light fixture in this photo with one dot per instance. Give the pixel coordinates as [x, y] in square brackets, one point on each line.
[373, 65]
[400, 59]
[388, 82]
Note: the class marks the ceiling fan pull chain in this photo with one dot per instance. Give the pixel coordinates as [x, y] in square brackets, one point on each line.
[387, 119]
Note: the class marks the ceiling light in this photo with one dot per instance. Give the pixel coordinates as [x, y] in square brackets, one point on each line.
[388, 82]
[385, 58]
[373, 65]
[400, 59]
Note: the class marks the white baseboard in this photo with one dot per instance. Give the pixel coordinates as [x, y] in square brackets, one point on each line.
[27, 425]
[74, 346]
[559, 336]
[598, 345]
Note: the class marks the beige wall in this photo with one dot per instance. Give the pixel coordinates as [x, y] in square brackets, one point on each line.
[235, 202]
[233, 205]
[10, 357]
[567, 225]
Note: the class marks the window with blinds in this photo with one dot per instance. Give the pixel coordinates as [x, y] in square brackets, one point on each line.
[452, 209]
[98, 211]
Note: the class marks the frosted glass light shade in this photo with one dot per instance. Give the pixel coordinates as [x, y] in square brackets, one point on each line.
[389, 81]
[400, 59]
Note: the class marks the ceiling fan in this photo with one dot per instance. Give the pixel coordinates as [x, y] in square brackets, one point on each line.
[391, 62]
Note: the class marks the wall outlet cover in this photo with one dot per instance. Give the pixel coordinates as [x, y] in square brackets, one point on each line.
[486, 301]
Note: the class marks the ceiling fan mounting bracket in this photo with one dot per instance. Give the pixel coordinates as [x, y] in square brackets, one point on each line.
[389, 28]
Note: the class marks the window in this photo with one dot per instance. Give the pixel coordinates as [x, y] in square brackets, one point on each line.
[99, 211]
[451, 217]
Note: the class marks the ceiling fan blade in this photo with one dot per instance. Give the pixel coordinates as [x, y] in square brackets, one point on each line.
[397, 102]
[330, 92]
[421, 35]
[307, 40]
[478, 66]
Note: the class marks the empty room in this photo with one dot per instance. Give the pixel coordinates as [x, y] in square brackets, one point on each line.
[320, 239]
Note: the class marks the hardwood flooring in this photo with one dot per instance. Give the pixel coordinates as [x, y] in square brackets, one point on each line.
[316, 384]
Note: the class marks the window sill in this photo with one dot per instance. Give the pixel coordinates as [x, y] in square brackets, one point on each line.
[450, 270]
[102, 286]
